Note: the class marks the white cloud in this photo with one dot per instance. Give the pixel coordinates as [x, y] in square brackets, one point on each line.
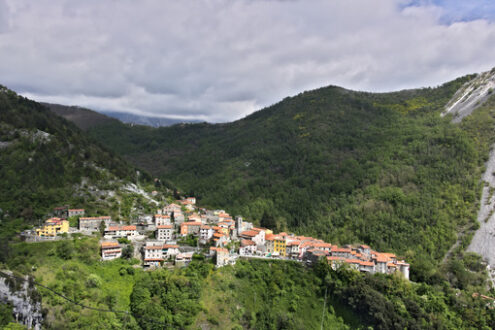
[219, 60]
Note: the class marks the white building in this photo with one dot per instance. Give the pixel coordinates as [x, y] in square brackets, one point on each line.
[162, 219]
[247, 248]
[165, 232]
[206, 232]
[121, 231]
[110, 250]
[75, 212]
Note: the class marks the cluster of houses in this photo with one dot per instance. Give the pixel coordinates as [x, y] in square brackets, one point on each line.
[225, 239]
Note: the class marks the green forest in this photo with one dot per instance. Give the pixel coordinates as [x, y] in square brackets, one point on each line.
[253, 294]
[349, 167]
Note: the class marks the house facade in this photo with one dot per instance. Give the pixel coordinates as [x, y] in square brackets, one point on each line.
[93, 223]
[52, 227]
[165, 232]
[76, 212]
[110, 250]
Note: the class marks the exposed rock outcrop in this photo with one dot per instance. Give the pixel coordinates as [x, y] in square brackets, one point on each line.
[25, 300]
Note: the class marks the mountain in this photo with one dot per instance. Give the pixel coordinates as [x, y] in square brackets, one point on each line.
[85, 118]
[82, 117]
[380, 168]
[47, 161]
[130, 118]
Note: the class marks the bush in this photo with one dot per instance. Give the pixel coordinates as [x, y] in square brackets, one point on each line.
[65, 250]
[93, 281]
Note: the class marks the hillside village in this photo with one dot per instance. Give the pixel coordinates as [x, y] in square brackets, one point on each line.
[181, 229]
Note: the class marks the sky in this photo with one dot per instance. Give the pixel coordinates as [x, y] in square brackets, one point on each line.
[220, 60]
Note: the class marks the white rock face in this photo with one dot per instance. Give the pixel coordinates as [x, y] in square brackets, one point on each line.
[26, 311]
[135, 189]
[470, 96]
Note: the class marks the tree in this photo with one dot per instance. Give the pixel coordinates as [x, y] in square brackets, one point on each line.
[65, 250]
[102, 228]
[128, 252]
[268, 221]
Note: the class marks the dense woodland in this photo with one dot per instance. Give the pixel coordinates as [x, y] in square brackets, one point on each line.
[382, 169]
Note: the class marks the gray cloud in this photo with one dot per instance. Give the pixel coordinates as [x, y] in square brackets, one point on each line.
[220, 60]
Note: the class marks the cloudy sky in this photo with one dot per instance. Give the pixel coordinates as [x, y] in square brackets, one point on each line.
[219, 60]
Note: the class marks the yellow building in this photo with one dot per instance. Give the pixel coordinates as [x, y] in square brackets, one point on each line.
[53, 227]
[279, 245]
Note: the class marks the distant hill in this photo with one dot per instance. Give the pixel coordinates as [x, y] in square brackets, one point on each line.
[86, 118]
[380, 168]
[130, 118]
[82, 117]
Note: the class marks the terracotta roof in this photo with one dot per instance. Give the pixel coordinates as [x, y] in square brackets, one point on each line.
[250, 233]
[352, 261]
[164, 227]
[247, 242]
[153, 247]
[166, 216]
[335, 258]
[191, 223]
[323, 245]
[317, 252]
[205, 227]
[218, 235]
[364, 246]
[106, 245]
[293, 243]
[383, 257]
[132, 227]
[173, 205]
[335, 248]
[170, 246]
[366, 263]
[269, 237]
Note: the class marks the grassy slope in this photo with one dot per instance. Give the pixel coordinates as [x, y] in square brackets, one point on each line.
[384, 169]
[252, 294]
[69, 276]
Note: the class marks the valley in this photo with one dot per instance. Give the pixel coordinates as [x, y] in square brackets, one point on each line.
[312, 181]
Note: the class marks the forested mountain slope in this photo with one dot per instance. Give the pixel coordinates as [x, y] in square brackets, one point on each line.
[46, 160]
[83, 118]
[385, 169]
